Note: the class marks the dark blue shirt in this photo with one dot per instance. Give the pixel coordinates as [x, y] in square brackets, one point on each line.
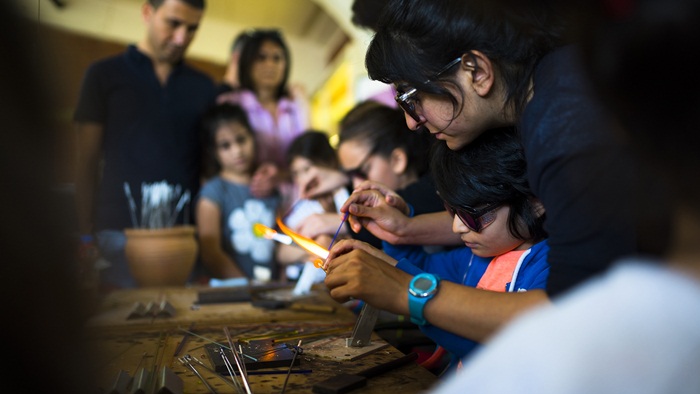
[581, 169]
[151, 131]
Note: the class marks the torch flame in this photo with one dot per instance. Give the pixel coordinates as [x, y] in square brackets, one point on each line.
[306, 243]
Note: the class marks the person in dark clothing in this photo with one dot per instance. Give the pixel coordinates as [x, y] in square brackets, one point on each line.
[462, 69]
[138, 115]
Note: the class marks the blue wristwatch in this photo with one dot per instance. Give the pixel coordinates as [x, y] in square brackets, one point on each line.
[422, 289]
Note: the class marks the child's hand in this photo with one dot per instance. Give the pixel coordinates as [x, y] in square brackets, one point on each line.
[264, 180]
[357, 270]
[322, 180]
[321, 223]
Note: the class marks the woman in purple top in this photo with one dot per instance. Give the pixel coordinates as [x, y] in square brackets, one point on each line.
[276, 115]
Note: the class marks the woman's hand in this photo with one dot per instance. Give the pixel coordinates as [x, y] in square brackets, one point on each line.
[392, 198]
[370, 209]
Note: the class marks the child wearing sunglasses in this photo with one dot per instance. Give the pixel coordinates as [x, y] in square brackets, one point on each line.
[484, 186]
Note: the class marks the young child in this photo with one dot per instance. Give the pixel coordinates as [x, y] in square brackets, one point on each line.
[226, 209]
[311, 154]
[485, 188]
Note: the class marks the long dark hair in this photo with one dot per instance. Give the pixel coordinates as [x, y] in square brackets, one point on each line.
[384, 129]
[489, 170]
[214, 118]
[415, 39]
[249, 55]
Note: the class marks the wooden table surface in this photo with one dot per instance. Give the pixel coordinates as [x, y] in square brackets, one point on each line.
[151, 343]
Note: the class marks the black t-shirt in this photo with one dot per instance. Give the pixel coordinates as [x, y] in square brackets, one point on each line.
[581, 168]
[151, 131]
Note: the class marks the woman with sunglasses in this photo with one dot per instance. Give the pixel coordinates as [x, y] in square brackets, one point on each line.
[461, 70]
[375, 145]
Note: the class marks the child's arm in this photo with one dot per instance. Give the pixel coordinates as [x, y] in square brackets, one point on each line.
[218, 262]
[291, 254]
[354, 270]
[318, 224]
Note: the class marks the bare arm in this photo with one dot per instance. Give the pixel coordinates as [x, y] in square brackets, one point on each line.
[357, 270]
[318, 224]
[220, 264]
[290, 254]
[473, 313]
[88, 159]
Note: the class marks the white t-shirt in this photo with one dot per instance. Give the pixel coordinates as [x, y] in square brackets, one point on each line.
[634, 330]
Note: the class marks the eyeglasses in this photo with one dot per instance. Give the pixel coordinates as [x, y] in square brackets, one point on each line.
[475, 220]
[358, 171]
[406, 100]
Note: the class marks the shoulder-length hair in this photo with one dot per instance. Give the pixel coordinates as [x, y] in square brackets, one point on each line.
[249, 55]
[489, 170]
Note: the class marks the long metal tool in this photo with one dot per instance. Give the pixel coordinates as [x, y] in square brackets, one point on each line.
[239, 361]
[190, 358]
[228, 365]
[297, 350]
[185, 362]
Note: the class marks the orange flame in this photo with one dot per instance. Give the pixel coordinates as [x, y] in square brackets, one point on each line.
[306, 243]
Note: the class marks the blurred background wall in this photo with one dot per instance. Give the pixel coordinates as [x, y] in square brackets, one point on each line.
[327, 50]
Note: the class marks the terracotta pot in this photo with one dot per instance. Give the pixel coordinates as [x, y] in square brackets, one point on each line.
[161, 257]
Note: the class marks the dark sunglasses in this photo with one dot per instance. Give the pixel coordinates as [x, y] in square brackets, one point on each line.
[475, 220]
[358, 171]
[406, 100]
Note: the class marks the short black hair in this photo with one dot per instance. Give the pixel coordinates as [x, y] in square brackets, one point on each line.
[489, 170]
[314, 146]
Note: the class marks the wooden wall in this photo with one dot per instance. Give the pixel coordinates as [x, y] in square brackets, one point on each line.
[65, 58]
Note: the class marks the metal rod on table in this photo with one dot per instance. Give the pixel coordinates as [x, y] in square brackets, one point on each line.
[296, 351]
[205, 338]
[181, 345]
[204, 381]
[189, 357]
[229, 367]
[241, 354]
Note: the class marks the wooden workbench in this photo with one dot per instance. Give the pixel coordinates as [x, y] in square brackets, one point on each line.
[150, 343]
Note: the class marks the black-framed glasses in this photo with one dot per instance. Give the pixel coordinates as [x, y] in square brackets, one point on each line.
[358, 171]
[475, 219]
[406, 100]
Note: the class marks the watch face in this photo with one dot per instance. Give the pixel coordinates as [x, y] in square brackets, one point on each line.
[422, 284]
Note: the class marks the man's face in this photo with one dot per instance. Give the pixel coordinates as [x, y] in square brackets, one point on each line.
[170, 29]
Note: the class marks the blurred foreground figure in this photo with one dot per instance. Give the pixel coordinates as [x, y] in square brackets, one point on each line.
[637, 328]
[41, 310]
